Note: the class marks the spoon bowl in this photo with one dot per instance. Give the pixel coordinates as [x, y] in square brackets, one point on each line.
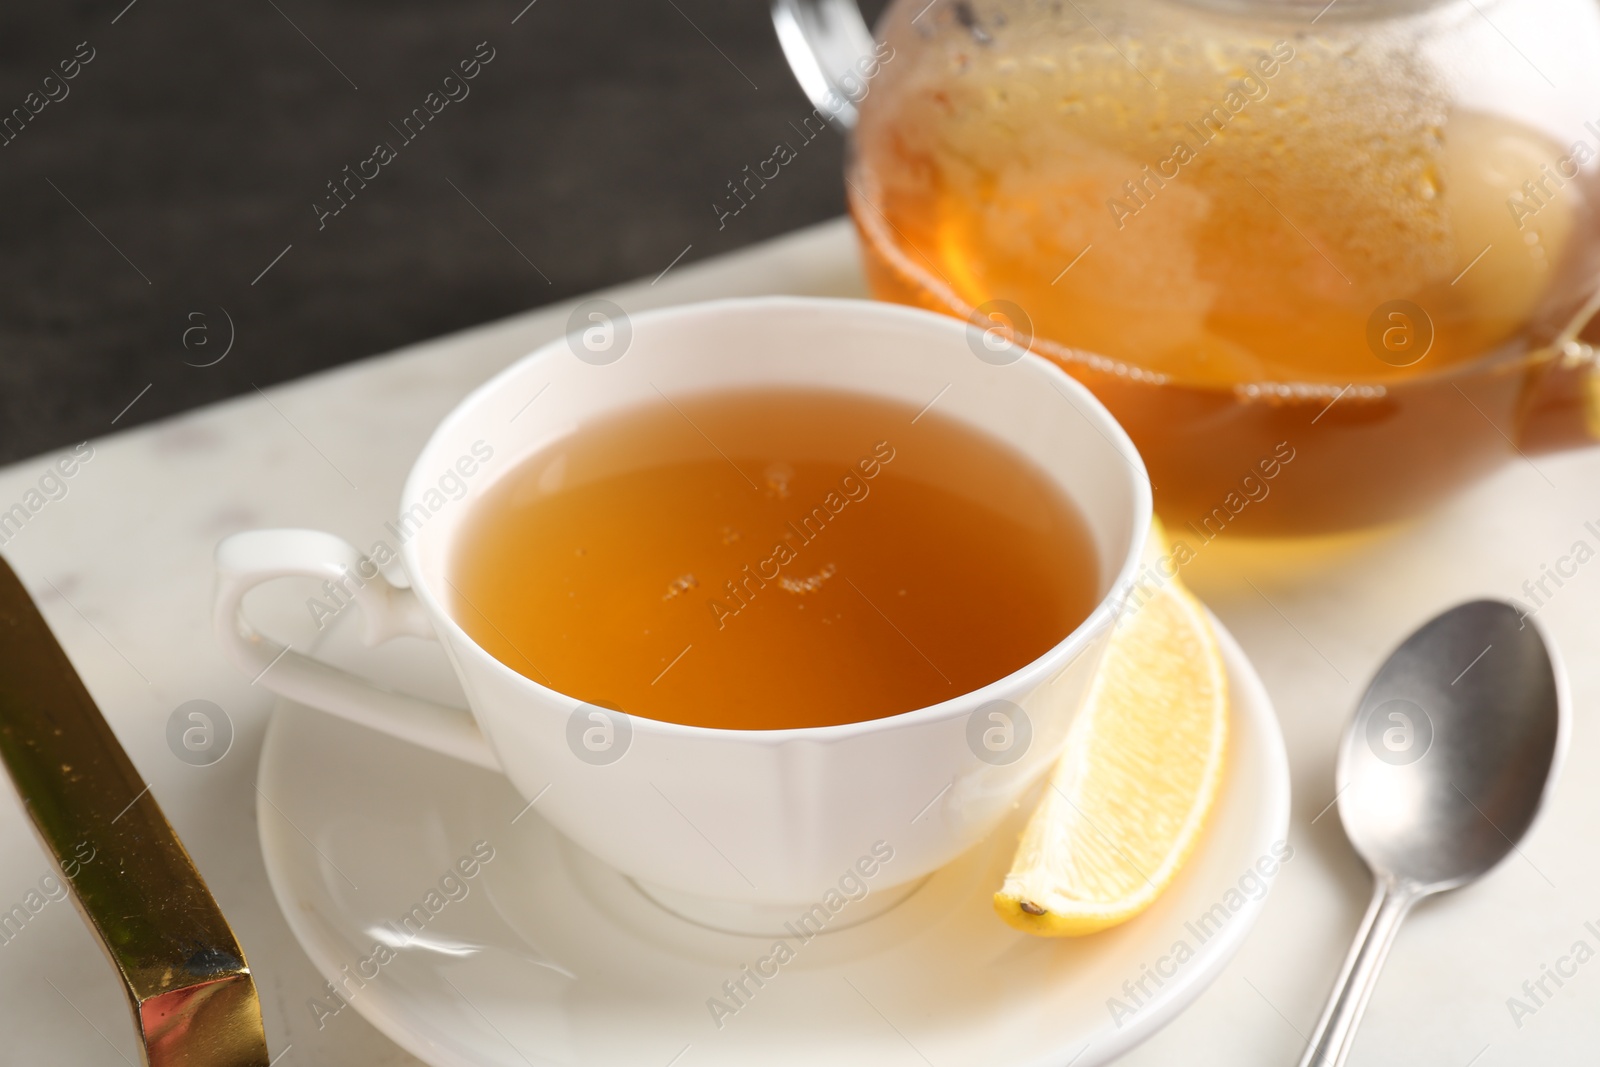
[1453, 748]
[1448, 760]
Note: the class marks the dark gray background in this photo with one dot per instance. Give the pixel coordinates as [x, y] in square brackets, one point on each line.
[196, 141]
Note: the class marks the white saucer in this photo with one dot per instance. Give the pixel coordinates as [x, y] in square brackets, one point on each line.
[553, 958]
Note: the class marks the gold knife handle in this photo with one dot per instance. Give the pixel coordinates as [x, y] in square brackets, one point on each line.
[193, 998]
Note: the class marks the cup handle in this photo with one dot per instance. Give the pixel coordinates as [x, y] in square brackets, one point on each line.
[823, 40]
[246, 560]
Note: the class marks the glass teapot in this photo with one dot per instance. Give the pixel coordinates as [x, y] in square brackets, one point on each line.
[1327, 260]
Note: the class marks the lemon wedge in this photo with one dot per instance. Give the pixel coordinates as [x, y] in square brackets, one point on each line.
[1140, 773]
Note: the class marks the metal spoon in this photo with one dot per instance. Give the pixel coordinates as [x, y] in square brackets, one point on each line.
[1449, 757]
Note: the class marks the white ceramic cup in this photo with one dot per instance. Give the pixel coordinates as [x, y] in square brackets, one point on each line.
[735, 819]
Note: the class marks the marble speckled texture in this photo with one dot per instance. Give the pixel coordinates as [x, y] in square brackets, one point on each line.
[199, 136]
[121, 566]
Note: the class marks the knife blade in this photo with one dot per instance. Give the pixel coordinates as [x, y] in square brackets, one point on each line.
[192, 995]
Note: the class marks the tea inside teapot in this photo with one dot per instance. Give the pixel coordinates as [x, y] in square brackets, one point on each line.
[1216, 200]
[1361, 234]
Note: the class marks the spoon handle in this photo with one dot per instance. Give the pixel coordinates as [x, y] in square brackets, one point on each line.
[1336, 1030]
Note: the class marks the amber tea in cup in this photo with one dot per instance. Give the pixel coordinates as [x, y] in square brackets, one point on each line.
[772, 558]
